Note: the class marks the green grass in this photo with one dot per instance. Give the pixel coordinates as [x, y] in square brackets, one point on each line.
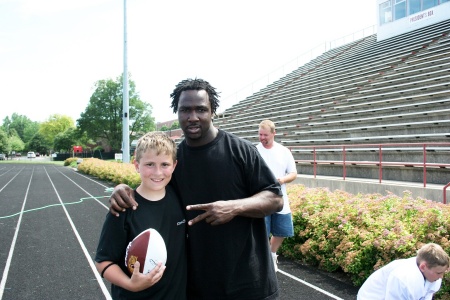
[32, 161]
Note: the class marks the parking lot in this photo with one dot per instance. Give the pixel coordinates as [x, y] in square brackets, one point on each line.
[50, 222]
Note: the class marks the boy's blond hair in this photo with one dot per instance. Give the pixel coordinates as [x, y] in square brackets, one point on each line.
[267, 124]
[433, 255]
[158, 141]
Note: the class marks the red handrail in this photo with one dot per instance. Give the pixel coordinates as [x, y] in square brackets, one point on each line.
[380, 168]
[424, 165]
[380, 163]
[344, 164]
[445, 194]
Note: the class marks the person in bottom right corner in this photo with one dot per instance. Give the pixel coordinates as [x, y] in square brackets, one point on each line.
[282, 164]
[418, 277]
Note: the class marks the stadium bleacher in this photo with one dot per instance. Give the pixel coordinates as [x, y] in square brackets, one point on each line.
[365, 92]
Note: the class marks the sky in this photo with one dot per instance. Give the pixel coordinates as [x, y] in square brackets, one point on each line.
[52, 52]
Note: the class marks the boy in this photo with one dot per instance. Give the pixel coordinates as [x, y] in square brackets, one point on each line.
[417, 277]
[159, 208]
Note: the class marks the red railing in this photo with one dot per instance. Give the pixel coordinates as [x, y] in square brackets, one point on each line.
[380, 163]
[445, 194]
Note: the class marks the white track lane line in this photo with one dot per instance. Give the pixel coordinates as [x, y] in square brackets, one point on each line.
[309, 284]
[99, 202]
[80, 241]
[88, 178]
[13, 243]
[11, 179]
[9, 170]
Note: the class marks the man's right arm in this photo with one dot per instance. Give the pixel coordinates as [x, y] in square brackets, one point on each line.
[220, 212]
[121, 199]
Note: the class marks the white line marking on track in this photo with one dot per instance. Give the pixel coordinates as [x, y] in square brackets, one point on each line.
[11, 179]
[88, 178]
[13, 243]
[10, 170]
[80, 241]
[309, 284]
[84, 189]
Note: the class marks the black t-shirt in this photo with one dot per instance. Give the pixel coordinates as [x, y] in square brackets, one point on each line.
[229, 261]
[167, 217]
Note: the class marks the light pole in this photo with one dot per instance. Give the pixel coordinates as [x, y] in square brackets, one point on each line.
[126, 114]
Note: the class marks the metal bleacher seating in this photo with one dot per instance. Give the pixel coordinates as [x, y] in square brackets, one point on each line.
[368, 91]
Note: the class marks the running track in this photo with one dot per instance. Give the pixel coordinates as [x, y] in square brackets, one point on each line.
[50, 220]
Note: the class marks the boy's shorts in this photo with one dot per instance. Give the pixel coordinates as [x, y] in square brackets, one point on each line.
[279, 225]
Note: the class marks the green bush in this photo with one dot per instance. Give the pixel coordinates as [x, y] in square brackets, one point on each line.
[70, 161]
[115, 172]
[360, 233]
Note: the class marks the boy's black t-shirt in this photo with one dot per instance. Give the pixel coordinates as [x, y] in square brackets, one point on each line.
[167, 217]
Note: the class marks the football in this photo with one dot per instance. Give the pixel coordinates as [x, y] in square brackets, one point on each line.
[148, 248]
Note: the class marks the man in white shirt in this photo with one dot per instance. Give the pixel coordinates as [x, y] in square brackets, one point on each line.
[417, 277]
[282, 164]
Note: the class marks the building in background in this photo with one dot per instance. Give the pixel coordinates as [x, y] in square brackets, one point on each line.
[400, 16]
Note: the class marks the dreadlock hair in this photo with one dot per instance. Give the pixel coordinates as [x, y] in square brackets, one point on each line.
[195, 84]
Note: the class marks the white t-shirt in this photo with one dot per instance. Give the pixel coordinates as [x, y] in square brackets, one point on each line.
[399, 280]
[281, 162]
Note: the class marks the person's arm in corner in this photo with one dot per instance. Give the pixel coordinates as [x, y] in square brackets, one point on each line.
[138, 281]
[220, 212]
[287, 178]
[121, 198]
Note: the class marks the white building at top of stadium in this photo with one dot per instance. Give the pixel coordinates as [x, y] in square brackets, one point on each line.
[399, 16]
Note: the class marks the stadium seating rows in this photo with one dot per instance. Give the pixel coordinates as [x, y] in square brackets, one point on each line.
[391, 91]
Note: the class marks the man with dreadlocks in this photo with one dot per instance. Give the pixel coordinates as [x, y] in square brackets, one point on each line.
[227, 189]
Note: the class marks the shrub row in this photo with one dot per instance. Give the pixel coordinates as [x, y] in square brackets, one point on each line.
[358, 234]
[70, 161]
[115, 172]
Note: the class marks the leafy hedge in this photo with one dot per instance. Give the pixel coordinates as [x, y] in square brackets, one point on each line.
[360, 233]
[115, 172]
[338, 231]
[70, 161]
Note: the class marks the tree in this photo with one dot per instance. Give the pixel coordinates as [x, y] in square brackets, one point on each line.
[82, 139]
[6, 125]
[4, 145]
[102, 119]
[55, 124]
[24, 127]
[30, 131]
[140, 117]
[38, 144]
[16, 143]
[175, 125]
[64, 141]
